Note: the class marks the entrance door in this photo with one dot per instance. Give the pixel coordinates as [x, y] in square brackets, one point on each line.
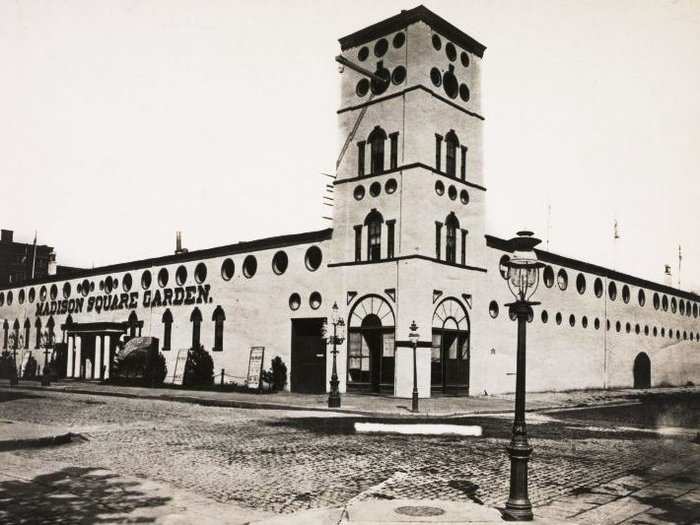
[87, 356]
[642, 371]
[308, 373]
[450, 361]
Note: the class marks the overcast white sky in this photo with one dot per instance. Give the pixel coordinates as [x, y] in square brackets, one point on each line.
[124, 121]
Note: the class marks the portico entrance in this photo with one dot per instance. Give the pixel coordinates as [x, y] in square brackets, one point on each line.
[449, 368]
[91, 348]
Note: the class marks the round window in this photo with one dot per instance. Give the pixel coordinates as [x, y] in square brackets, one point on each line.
[572, 320]
[146, 279]
[108, 285]
[642, 298]
[681, 306]
[53, 293]
[656, 301]
[363, 54]
[439, 188]
[450, 51]
[381, 47]
[664, 303]
[493, 309]
[250, 266]
[673, 305]
[21, 297]
[548, 277]
[626, 294]
[9, 298]
[596, 323]
[612, 291]
[102, 284]
[584, 322]
[562, 279]
[450, 84]
[646, 329]
[2, 298]
[127, 282]
[42, 293]
[280, 262]
[66, 290]
[315, 300]
[227, 269]
[628, 328]
[294, 301]
[181, 275]
[390, 186]
[437, 43]
[313, 258]
[545, 316]
[452, 192]
[375, 189]
[598, 287]
[163, 277]
[379, 86]
[359, 192]
[399, 39]
[362, 87]
[464, 197]
[580, 283]
[558, 318]
[399, 75]
[436, 77]
[464, 92]
[464, 58]
[200, 273]
[32, 295]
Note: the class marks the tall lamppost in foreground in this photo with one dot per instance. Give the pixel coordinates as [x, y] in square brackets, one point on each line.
[522, 273]
[337, 339]
[413, 336]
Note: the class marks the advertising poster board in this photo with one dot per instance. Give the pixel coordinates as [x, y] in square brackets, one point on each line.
[180, 363]
[255, 367]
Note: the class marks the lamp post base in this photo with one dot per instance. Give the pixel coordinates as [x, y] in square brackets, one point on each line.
[414, 402]
[45, 380]
[518, 506]
[334, 399]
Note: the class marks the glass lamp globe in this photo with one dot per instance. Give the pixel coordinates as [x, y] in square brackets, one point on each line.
[523, 269]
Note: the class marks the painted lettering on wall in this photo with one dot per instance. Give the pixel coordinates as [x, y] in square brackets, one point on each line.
[151, 299]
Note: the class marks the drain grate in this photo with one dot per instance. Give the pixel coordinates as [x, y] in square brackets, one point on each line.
[419, 511]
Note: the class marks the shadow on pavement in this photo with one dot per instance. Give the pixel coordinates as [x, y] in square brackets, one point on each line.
[9, 395]
[73, 496]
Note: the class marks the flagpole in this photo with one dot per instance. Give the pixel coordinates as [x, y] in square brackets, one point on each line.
[34, 255]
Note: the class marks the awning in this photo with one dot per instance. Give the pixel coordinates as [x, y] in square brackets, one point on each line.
[135, 345]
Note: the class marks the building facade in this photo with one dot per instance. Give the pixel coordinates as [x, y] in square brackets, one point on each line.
[408, 243]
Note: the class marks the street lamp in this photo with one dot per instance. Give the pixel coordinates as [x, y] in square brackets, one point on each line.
[337, 339]
[413, 336]
[46, 344]
[522, 273]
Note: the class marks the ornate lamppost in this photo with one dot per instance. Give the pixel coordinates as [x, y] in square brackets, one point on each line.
[336, 339]
[522, 273]
[413, 336]
[47, 344]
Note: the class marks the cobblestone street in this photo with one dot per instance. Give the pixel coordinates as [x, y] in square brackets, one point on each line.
[286, 461]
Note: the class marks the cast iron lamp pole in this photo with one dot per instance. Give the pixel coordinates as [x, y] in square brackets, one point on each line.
[522, 274]
[413, 337]
[337, 339]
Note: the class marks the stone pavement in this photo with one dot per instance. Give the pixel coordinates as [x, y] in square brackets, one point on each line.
[360, 404]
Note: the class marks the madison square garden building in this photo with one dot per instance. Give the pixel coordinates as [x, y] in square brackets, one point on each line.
[407, 242]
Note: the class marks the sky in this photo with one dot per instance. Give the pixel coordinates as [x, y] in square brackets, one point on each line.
[122, 122]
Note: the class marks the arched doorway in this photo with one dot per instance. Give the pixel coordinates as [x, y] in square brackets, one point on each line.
[642, 371]
[371, 345]
[449, 359]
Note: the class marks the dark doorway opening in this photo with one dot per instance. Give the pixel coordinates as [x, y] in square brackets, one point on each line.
[60, 356]
[371, 356]
[449, 363]
[87, 356]
[308, 366]
[642, 371]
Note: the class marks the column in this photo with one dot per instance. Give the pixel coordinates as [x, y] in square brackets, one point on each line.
[99, 346]
[77, 368]
[107, 360]
[71, 351]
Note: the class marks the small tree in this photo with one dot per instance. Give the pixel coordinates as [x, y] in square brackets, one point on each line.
[7, 365]
[29, 371]
[155, 371]
[276, 376]
[199, 370]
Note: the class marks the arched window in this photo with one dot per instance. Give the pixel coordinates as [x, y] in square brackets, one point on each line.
[376, 141]
[5, 333]
[196, 319]
[452, 143]
[27, 330]
[37, 325]
[15, 331]
[218, 317]
[451, 226]
[50, 325]
[133, 324]
[167, 329]
[374, 221]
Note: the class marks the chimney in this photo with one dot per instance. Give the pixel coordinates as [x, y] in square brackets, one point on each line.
[178, 244]
[52, 264]
[6, 235]
[668, 278]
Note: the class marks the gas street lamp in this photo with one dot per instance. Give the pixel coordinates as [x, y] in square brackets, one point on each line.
[413, 336]
[46, 343]
[522, 272]
[336, 339]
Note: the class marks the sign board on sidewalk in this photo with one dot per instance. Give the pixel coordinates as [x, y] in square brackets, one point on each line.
[180, 363]
[255, 367]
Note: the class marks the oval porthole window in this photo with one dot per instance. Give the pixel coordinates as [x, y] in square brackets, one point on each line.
[32, 295]
[464, 58]
[437, 43]
[42, 293]
[378, 86]
[580, 283]
[101, 284]
[92, 286]
[628, 328]
[548, 277]
[681, 307]
[626, 294]
[315, 301]
[390, 186]
[9, 298]
[163, 277]
[280, 261]
[642, 298]
[227, 269]
[2, 298]
[362, 87]
[313, 258]
[464, 197]
[450, 51]
[452, 192]
[598, 287]
[21, 297]
[399, 75]
[664, 303]
[53, 292]
[200, 273]
[66, 290]
[146, 279]
[612, 290]
[673, 305]
[558, 318]
[359, 192]
[562, 279]
[181, 275]
[464, 93]
[596, 323]
[363, 54]
[439, 188]
[584, 322]
[646, 329]
[572, 320]
[381, 47]
[545, 317]
[375, 189]
[399, 39]
[436, 77]
[108, 285]
[493, 309]
[250, 266]
[450, 84]
[294, 301]
[618, 326]
[656, 301]
[127, 282]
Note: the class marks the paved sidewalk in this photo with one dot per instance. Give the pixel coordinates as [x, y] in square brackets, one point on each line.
[360, 404]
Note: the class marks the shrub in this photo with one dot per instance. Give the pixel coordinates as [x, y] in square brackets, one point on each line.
[29, 371]
[276, 376]
[7, 365]
[199, 370]
[155, 371]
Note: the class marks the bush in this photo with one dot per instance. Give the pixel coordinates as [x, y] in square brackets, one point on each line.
[7, 365]
[29, 371]
[276, 376]
[155, 371]
[199, 370]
